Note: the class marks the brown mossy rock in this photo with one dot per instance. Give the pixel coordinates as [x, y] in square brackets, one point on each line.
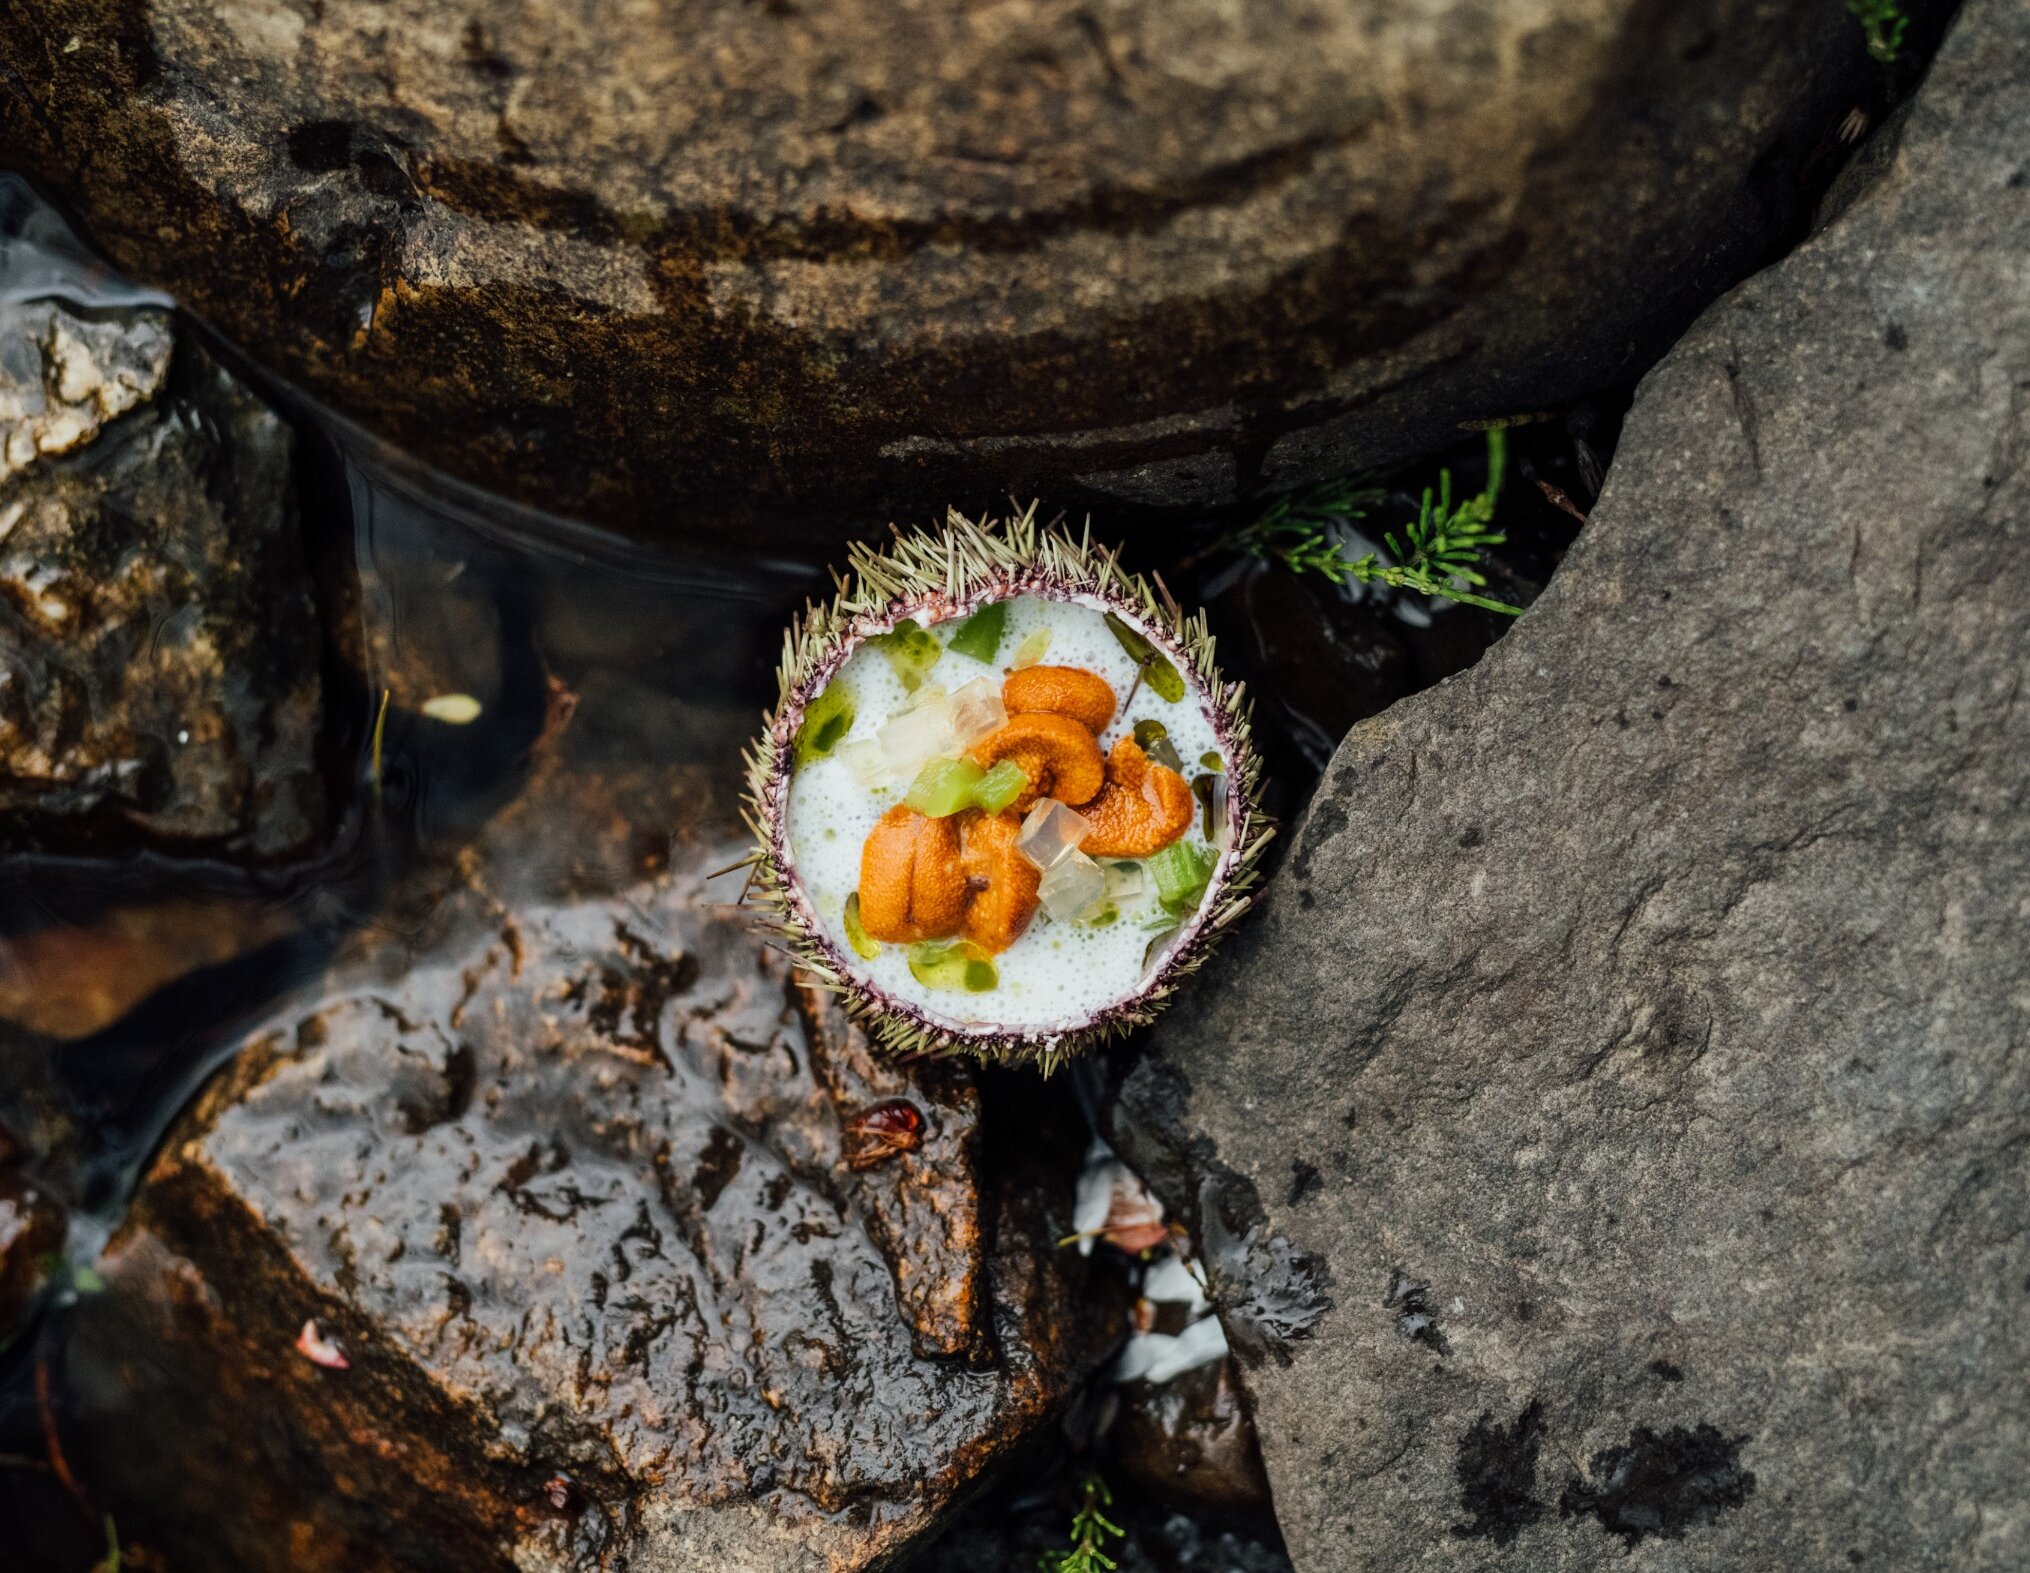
[161, 650]
[1636, 1030]
[570, 1188]
[615, 260]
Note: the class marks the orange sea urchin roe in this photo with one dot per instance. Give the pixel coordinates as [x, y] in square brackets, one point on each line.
[1071, 691]
[1003, 882]
[1060, 756]
[1141, 810]
[912, 886]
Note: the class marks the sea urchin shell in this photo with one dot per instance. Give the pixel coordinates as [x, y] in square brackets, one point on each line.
[1089, 969]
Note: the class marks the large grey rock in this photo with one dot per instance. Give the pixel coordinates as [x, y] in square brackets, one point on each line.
[160, 640]
[1151, 251]
[1637, 1032]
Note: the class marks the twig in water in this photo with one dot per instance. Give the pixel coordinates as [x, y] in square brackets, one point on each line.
[52, 1444]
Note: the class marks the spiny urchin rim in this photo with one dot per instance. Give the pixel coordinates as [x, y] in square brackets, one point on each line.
[935, 576]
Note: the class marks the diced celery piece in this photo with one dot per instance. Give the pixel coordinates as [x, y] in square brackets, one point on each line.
[1051, 833]
[827, 720]
[1072, 888]
[976, 710]
[1153, 738]
[865, 946]
[917, 735]
[1000, 786]
[1156, 669]
[912, 651]
[863, 756]
[943, 787]
[953, 964]
[1181, 871]
[1034, 646]
[979, 636]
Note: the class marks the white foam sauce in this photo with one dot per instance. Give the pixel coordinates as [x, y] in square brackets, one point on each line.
[1056, 974]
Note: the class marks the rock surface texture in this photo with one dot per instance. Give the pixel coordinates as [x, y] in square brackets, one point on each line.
[1637, 1030]
[160, 652]
[1141, 251]
[580, 1192]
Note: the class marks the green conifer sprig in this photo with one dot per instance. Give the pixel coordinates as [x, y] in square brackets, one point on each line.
[1438, 554]
[1441, 548]
[1090, 1531]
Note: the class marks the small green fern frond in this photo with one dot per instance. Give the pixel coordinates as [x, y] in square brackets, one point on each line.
[1090, 1531]
[1438, 553]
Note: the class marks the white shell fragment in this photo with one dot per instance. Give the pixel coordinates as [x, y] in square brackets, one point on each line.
[1161, 1357]
[319, 1350]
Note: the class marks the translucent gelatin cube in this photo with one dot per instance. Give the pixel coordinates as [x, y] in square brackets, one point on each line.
[1125, 882]
[863, 756]
[1052, 833]
[1073, 887]
[916, 736]
[976, 710]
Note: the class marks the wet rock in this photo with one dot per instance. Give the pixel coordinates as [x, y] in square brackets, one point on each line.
[68, 981]
[1132, 255]
[1190, 1440]
[159, 639]
[1633, 1030]
[32, 1230]
[568, 1190]
[63, 377]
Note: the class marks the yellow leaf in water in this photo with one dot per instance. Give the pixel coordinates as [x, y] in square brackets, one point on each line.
[458, 709]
